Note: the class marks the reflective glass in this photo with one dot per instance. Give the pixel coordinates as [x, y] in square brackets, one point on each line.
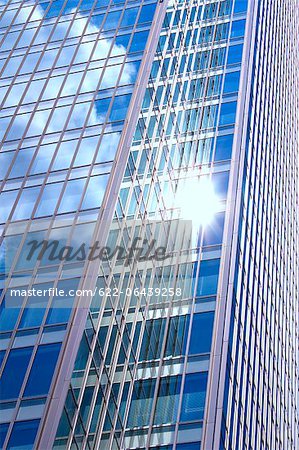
[201, 334]
[194, 397]
[12, 379]
[42, 370]
[23, 435]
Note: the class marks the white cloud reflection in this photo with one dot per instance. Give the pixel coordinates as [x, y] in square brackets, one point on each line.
[60, 84]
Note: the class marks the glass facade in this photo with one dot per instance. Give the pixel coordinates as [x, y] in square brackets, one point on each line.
[141, 372]
[68, 72]
[127, 122]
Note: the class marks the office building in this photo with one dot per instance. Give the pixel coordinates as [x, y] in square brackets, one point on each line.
[128, 122]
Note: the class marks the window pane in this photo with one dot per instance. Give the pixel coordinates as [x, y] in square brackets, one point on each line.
[14, 372]
[3, 431]
[208, 277]
[42, 370]
[177, 336]
[26, 203]
[224, 147]
[72, 196]
[201, 334]
[228, 113]
[168, 400]
[23, 435]
[232, 81]
[213, 232]
[141, 404]
[194, 396]
[48, 200]
[95, 192]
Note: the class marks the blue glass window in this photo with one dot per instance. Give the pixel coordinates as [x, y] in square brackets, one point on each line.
[190, 446]
[177, 336]
[8, 316]
[82, 355]
[21, 163]
[61, 307]
[220, 183]
[201, 333]
[72, 196]
[235, 54]
[231, 83]
[42, 370]
[228, 113]
[7, 200]
[35, 308]
[139, 41]
[43, 158]
[141, 404]
[3, 432]
[129, 17]
[14, 372]
[168, 400]
[23, 435]
[108, 147]
[238, 28]
[5, 160]
[194, 397]
[208, 277]
[147, 13]
[26, 203]
[95, 192]
[213, 232]
[48, 200]
[224, 147]
[2, 354]
[120, 107]
[241, 6]
[152, 339]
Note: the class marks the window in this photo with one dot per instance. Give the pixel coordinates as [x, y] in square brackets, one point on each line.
[23, 435]
[220, 182]
[7, 200]
[3, 431]
[72, 196]
[48, 200]
[141, 404]
[95, 192]
[120, 107]
[5, 161]
[228, 113]
[42, 370]
[241, 6]
[224, 147]
[61, 307]
[152, 339]
[177, 336]
[26, 203]
[129, 17]
[208, 277]
[231, 83]
[8, 315]
[168, 400]
[35, 309]
[213, 232]
[194, 397]
[14, 372]
[139, 41]
[238, 28]
[147, 13]
[235, 54]
[201, 333]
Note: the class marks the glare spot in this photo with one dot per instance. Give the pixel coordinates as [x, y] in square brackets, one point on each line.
[197, 201]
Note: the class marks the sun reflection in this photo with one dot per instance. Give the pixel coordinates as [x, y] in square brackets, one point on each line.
[197, 201]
